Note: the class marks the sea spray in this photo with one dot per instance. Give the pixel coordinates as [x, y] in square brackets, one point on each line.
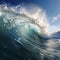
[23, 34]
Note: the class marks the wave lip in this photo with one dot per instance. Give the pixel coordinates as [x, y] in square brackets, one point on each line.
[36, 16]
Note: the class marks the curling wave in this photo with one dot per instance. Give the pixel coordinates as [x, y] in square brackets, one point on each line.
[23, 34]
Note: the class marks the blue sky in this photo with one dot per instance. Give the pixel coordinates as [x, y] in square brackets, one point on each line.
[52, 8]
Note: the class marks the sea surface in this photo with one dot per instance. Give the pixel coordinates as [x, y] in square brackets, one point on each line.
[21, 37]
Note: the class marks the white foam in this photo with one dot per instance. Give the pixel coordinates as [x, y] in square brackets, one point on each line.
[32, 13]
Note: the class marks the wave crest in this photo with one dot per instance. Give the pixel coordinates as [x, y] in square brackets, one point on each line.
[30, 14]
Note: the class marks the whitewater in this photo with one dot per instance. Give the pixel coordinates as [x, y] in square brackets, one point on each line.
[24, 34]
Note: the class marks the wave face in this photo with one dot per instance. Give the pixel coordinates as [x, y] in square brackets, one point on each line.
[23, 34]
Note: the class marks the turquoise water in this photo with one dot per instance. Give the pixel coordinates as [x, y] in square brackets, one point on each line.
[22, 39]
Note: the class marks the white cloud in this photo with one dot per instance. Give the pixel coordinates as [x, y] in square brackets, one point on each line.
[56, 18]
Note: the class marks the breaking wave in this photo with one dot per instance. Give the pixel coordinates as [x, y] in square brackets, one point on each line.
[24, 34]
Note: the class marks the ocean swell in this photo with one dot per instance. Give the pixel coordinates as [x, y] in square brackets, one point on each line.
[23, 34]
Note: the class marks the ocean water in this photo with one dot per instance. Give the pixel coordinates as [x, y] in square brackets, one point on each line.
[23, 37]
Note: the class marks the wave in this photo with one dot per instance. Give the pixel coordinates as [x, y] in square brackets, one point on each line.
[23, 33]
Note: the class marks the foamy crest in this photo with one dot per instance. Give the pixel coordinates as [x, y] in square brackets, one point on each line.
[31, 13]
